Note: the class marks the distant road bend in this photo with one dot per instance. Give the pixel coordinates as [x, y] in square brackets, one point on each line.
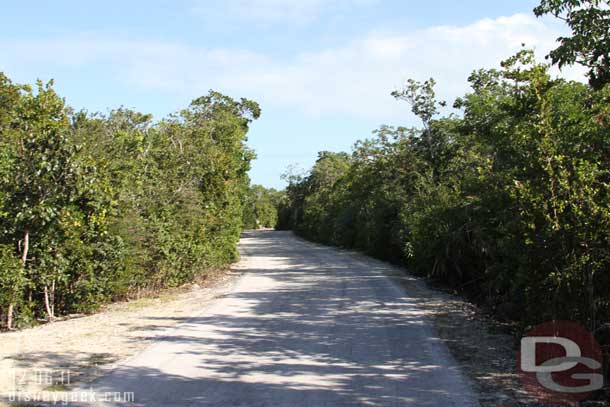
[304, 326]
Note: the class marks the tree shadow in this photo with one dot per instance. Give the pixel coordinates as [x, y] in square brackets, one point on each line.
[312, 327]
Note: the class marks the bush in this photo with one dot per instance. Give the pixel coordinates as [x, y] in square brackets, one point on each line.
[96, 208]
[508, 203]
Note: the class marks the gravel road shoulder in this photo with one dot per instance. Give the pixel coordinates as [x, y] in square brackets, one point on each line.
[59, 355]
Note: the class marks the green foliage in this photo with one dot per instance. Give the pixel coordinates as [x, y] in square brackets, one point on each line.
[509, 203]
[260, 207]
[95, 208]
[589, 44]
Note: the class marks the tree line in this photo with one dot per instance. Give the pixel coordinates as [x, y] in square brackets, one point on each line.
[508, 201]
[100, 207]
[260, 207]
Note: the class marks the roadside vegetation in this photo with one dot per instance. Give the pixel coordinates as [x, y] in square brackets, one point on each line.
[507, 201]
[260, 207]
[95, 208]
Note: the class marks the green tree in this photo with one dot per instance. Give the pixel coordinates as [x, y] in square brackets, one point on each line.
[422, 99]
[511, 209]
[96, 207]
[589, 44]
[260, 207]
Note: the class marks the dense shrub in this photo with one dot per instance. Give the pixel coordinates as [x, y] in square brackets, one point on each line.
[509, 202]
[260, 207]
[99, 207]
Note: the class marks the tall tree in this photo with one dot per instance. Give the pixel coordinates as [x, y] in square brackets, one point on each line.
[589, 44]
[422, 99]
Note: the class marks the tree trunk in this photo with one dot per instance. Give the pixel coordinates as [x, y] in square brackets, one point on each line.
[47, 304]
[53, 298]
[26, 247]
[24, 256]
[9, 316]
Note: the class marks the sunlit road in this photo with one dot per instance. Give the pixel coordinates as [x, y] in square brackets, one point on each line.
[305, 325]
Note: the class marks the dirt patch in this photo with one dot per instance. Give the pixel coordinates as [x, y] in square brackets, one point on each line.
[59, 355]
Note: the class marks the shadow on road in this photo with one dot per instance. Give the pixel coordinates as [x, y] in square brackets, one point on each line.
[309, 326]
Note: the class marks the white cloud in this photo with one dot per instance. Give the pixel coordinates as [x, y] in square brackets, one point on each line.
[354, 79]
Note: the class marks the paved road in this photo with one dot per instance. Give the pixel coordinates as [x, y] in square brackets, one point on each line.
[305, 326]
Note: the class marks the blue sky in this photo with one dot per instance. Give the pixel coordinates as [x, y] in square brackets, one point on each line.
[322, 70]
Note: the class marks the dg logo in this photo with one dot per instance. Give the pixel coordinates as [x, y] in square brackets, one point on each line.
[560, 363]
